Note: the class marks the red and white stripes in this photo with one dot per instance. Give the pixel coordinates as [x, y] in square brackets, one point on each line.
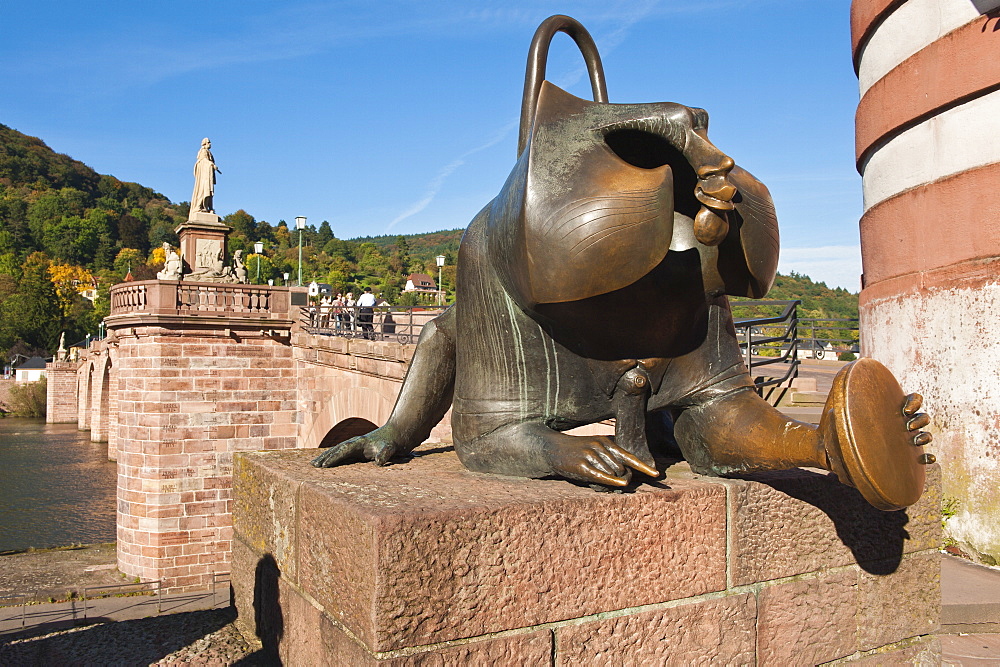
[928, 149]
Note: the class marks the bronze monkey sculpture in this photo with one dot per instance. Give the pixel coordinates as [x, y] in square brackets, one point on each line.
[594, 286]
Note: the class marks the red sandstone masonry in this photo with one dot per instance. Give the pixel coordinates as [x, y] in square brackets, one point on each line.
[719, 631]
[61, 397]
[395, 564]
[199, 400]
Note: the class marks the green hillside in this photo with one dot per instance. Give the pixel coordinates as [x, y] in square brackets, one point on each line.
[424, 247]
[65, 229]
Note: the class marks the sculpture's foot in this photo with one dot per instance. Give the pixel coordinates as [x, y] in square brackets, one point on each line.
[870, 431]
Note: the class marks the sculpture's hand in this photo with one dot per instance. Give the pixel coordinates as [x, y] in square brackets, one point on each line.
[376, 446]
[593, 459]
[917, 420]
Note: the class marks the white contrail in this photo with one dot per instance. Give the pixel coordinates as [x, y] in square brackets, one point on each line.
[438, 181]
[611, 41]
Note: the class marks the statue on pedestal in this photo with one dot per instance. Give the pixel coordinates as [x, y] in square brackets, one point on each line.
[61, 352]
[171, 264]
[594, 287]
[204, 179]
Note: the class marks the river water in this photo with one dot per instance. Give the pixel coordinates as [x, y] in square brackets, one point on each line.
[56, 487]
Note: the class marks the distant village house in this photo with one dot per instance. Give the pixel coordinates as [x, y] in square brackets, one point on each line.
[420, 283]
[320, 289]
[32, 370]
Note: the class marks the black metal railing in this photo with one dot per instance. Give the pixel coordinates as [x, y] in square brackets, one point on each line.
[769, 338]
[400, 324]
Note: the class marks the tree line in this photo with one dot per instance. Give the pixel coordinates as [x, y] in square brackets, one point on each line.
[68, 233]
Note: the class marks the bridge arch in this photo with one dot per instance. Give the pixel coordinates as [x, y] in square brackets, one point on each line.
[351, 411]
[100, 401]
[85, 381]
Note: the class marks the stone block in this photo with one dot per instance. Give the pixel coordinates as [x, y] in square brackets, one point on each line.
[905, 604]
[530, 649]
[428, 552]
[792, 522]
[923, 651]
[808, 621]
[720, 631]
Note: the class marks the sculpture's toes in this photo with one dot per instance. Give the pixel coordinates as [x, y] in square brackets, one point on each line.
[872, 437]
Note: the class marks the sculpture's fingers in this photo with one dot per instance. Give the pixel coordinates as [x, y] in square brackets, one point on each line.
[630, 459]
[590, 473]
[611, 463]
[922, 438]
[345, 451]
[592, 460]
[912, 404]
[383, 453]
[918, 421]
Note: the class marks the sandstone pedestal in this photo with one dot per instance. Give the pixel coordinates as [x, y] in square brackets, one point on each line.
[425, 562]
[203, 241]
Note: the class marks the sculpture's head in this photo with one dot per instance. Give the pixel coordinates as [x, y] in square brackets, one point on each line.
[206, 143]
[598, 189]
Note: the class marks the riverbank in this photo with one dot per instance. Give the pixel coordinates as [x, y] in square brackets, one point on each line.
[49, 574]
[195, 637]
[192, 638]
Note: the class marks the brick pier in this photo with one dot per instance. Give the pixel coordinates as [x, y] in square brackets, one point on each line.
[201, 371]
[60, 389]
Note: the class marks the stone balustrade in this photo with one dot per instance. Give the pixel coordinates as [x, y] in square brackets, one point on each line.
[174, 298]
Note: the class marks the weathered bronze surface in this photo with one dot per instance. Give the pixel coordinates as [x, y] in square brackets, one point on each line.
[594, 286]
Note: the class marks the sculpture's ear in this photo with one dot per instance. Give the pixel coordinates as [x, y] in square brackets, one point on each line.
[748, 257]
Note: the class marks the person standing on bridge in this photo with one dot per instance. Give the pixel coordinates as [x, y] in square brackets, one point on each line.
[366, 314]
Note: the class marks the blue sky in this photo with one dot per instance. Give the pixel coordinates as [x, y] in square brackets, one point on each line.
[401, 117]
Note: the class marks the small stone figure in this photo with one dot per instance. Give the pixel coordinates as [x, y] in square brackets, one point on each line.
[61, 352]
[172, 266]
[239, 269]
[204, 179]
[594, 287]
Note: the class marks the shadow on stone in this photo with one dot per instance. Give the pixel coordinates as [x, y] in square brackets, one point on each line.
[268, 621]
[875, 538]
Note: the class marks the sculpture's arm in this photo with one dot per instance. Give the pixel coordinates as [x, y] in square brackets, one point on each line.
[423, 400]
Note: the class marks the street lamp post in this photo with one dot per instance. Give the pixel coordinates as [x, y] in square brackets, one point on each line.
[440, 263]
[300, 224]
[258, 248]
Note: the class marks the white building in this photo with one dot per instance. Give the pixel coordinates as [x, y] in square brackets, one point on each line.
[320, 289]
[31, 370]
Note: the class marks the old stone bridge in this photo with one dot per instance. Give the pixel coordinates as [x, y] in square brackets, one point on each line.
[190, 373]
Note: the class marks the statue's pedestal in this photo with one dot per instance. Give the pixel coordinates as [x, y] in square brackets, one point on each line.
[425, 560]
[202, 239]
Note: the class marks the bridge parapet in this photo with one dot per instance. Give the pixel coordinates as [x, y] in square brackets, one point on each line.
[177, 299]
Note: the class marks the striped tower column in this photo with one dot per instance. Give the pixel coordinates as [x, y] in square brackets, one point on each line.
[928, 149]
